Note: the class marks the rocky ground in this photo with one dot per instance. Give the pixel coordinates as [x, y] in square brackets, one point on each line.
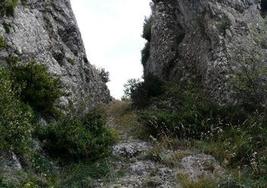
[138, 164]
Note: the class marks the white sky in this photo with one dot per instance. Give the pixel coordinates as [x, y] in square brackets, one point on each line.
[111, 31]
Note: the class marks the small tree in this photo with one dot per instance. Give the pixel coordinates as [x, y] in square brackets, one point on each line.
[141, 92]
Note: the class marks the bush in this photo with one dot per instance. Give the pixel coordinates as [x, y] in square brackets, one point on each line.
[83, 174]
[39, 89]
[7, 7]
[15, 118]
[4, 184]
[179, 113]
[75, 138]
[141, 92]
[130, 87]
[186, 112]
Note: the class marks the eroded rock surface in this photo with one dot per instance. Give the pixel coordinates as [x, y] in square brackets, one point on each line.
[138, 170]
[131, 149]
[200, 166]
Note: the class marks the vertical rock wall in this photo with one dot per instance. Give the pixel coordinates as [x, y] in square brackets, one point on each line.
[200, 41]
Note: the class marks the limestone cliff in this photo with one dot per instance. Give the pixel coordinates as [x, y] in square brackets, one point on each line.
[205, 41]
[46, 31]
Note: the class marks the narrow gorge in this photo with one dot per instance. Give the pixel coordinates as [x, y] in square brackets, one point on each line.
[197, 119]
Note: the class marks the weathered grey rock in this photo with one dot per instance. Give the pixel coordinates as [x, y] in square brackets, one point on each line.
[201, 166]
[200, 40]
[141, 168]
[46, 31]
[130, 149]
[138, 170]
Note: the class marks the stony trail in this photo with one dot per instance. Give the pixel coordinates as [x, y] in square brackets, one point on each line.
[137, 168]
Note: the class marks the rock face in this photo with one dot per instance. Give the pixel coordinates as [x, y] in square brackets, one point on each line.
[46, 31]
[205, 41]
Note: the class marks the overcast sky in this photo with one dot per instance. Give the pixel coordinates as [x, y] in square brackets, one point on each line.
[111, 31]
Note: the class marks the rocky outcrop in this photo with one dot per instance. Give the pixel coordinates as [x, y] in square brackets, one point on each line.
[200, 166]
[205, 41]
[46, 31]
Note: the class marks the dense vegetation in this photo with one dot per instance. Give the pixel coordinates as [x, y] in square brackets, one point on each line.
[29, 92]
[75, 138]
[142, 92]
[235, 133]
[38, 88]
[15, 118]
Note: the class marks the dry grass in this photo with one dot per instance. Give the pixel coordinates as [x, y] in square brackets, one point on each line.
[186, 182]
[123, 118]
[168, 151]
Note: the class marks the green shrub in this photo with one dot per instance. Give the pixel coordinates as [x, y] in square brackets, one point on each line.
[15, 118]
[7, 7]
[4, 184]
[39, 89]
[83, 174]
[141, 92]
[75, 138]
[186, 112]
[2, 42]
[180, 113]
